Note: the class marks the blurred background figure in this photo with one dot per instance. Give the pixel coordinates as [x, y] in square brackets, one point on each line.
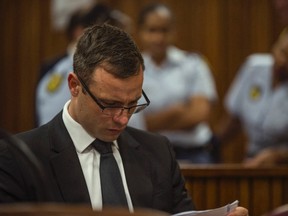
[52, 91]
[258, 102]
[180, 86]
[281, 7]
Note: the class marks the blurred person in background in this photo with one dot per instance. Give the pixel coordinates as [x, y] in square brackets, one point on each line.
[281, 7]
[180, 86]
[258, 102]
[52, 91]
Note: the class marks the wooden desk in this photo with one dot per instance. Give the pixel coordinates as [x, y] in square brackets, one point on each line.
[58, 209]
[260, 190]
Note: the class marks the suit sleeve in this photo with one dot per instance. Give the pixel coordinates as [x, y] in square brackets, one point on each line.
[182, 201]
[11, 180]
[20, 179]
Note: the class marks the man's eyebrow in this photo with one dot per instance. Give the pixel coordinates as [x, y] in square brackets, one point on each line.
[136, 100]
[106, 100]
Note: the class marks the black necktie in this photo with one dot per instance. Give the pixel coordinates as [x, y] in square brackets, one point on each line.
[113, 193]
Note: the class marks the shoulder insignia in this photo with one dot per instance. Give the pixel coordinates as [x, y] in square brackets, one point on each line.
[255, 93]
[54, 83]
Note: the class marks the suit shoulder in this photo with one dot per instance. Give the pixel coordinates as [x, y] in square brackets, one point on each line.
[36, 139]
[145, 135]
[33, 133]
[39, 133]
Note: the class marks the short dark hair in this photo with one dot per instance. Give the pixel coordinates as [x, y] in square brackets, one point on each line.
[150, 8]
[109, 47]
[98, 14]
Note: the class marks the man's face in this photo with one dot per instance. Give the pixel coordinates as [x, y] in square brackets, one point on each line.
[281, 7]
[156, 33]
[109, 91]
[280, 54]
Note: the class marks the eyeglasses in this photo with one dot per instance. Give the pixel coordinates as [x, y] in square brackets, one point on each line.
[113, 110]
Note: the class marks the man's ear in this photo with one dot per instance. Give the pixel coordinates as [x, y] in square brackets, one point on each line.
[73, 84]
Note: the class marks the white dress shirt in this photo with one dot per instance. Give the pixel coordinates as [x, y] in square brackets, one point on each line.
[90, 160]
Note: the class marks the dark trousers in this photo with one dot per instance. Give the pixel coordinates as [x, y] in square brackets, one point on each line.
[208, 153]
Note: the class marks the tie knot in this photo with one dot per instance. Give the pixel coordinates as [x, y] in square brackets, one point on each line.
[102, 147]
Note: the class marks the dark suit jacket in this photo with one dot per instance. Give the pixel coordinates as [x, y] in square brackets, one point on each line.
[152, 173]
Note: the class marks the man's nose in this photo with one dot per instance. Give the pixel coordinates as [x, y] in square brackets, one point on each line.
[122, 117]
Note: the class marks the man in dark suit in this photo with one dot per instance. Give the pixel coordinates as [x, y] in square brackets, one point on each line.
[106, 89]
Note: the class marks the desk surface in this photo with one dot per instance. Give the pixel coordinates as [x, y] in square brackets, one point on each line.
[57, 209]
[260, 190]
[235, 170]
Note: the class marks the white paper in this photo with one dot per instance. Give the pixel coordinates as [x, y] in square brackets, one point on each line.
[222, 211]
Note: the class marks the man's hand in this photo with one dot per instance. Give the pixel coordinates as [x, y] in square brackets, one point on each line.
[268, 157]
[239, 211]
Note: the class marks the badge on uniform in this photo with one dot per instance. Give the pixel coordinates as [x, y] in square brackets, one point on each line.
[54, 82]
[255, 93]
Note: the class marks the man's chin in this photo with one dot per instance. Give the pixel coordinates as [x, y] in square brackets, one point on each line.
[113, 134]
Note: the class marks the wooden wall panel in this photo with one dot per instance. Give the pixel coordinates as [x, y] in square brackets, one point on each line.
[27, 39]
[259, 190]
[20, 54]
[224, 31]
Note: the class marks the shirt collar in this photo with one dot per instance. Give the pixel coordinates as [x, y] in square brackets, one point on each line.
[174, 57]
[78, 134]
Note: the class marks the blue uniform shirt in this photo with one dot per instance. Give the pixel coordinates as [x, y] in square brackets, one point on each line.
[52, 91]
[262, 110]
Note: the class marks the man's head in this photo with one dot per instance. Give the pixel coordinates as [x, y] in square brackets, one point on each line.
[280, 54]
[281, 7]
[110, 48]
[96, 14]
[155, 24]
[108, 75]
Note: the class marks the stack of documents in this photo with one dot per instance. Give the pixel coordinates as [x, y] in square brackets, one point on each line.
[222, 211]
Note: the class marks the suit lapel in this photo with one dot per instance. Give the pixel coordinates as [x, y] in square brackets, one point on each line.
[70, 178]
[66, 165]
[137, 171]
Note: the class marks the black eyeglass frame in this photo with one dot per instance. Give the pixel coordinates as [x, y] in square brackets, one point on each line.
[102, 107]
